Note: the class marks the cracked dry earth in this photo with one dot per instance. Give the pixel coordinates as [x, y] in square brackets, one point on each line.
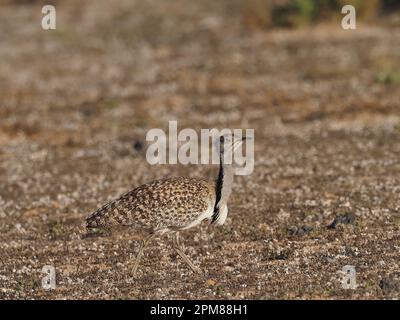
[76, 103]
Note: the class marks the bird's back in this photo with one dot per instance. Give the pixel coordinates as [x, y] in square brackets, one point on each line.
[172, 203]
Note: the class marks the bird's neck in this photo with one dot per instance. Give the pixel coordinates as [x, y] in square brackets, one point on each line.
[223, 187]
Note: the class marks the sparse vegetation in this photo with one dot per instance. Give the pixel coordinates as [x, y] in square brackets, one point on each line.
[297, 13]
[75, 106]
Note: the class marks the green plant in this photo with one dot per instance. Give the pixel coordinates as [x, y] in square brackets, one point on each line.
[305, 11]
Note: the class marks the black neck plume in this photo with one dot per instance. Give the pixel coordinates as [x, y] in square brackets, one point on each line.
[218, 190]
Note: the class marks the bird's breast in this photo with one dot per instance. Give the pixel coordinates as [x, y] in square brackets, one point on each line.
[223, 214]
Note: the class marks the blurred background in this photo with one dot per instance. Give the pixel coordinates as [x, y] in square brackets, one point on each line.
[76, 103]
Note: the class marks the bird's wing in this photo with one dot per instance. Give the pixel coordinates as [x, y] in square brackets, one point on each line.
[173, 202]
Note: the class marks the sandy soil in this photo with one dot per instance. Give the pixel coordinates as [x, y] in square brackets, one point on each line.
[75, 101]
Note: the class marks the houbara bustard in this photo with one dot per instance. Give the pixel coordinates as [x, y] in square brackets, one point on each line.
[171, 205]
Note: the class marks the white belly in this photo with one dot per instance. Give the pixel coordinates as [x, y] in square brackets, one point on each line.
[205, 215]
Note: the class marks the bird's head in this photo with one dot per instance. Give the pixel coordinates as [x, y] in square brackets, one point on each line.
[229, 142]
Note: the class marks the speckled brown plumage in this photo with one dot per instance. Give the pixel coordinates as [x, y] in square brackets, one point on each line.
[158, 206]
[170, 205]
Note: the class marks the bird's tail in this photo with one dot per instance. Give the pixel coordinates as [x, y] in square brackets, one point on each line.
[102, 220]
[94, 225]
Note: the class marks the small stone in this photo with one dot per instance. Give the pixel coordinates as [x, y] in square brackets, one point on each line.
[229, 269]
[390, 284]
[138, 146]
[347, 218]
[299, 231]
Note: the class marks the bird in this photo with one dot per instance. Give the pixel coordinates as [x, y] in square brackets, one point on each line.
[173, 204]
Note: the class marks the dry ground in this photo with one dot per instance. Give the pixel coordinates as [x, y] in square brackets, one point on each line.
[324, 104]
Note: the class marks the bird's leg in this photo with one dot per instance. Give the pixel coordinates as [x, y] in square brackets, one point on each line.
[178, 249]
[142, 246]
